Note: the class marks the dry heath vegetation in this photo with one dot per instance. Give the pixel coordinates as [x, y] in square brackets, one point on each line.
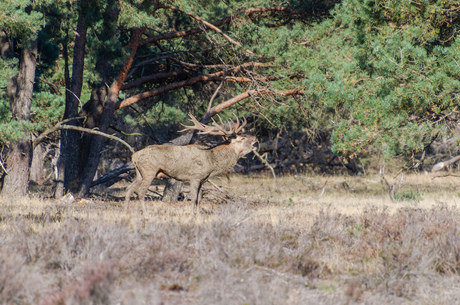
[317, 240]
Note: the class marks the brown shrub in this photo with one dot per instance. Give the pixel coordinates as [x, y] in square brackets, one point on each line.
[232, 255]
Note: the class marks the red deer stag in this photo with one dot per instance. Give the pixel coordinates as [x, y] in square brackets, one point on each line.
[190, 163]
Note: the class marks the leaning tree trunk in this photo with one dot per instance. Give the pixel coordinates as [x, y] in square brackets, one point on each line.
[20, 91]
[110, 105]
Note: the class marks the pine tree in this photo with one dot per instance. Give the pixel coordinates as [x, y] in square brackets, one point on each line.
[20, 28]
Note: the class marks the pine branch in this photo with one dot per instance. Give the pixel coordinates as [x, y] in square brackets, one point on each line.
[217, 76]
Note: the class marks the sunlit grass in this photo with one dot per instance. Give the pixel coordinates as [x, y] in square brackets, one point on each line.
[316, 240]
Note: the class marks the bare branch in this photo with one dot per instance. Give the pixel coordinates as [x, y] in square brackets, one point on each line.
[440, 165]
[52, 85]
[3, 167]
[217, 76]
[287, 13]
[124, 71]
[216, 109]
[99, 133]
[153, 77]
[265, 162]
[178, 34]
[209, 25]
[215, 94]
[60, 126]
[251, 11]
[55, 128]
[114, 175]
[144, 95]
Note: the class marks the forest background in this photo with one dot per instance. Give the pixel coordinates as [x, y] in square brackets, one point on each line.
[363, 78]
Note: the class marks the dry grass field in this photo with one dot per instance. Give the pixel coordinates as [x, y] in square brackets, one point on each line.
[319, 240]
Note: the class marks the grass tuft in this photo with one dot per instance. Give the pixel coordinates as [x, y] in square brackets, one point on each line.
[339, 248]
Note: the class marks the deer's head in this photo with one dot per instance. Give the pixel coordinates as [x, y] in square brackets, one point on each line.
[242, 144]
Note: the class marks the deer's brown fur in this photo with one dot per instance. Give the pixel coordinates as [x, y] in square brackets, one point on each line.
[190, 163]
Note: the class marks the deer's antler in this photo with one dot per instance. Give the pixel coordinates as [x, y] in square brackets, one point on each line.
[216, 129]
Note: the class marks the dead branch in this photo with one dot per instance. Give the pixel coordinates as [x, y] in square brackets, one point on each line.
[217, 76]
[124, 71]
[3, 167]
[153, 77]
[179, 34]
[265, 162]
[60, 126]
[113, 176]
[221, 66]
[51, 84]
[391, 187]
[289, 14]
[447, 175]
[99, 133]
[191, 81]
[216, 109]
[55, 128]
[443, 164]
[252, 11]
[209, 25]
[215, 93]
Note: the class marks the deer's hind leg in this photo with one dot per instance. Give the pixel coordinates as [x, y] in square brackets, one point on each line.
[147, 179]
[132, 188]
[195, 192]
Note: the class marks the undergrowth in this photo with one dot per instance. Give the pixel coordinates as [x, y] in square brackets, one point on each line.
[232, 254]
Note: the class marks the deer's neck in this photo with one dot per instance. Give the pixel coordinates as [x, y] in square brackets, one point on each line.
[224, 158]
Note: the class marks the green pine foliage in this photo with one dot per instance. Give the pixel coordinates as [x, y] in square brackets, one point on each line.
[406, 56]
[20, 19]
[378, 76]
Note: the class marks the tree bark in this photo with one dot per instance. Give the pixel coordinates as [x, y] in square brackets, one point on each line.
[93, 111]
[110, 105]
[172, 190]
[6, 48]
[37, 166]
[20, 91]
[70, 139]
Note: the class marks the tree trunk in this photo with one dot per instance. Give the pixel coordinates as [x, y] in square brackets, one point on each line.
[59, 169]
[6, 48]
[37, 166]
[110, 105]
[20, 91]
[172, 190]
[92, 111]
[70, 139]
[19, 160]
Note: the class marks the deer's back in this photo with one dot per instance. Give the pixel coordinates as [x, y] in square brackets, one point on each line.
[180, 162]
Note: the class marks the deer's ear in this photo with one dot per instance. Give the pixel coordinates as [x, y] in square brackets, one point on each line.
[237, 139]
